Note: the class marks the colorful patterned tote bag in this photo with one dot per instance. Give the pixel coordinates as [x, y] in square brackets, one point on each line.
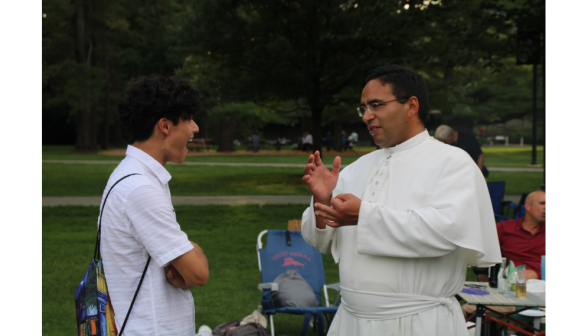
[95, 315]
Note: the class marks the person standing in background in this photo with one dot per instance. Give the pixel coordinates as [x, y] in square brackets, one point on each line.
[355, 138]
[329, 141]
[306, 141]
[278, 144]
[465, 141]
[255, 142]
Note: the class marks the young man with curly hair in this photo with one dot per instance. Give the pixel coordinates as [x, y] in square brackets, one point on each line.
[139, 220]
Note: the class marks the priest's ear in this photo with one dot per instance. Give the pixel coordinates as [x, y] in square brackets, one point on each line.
[412, 110]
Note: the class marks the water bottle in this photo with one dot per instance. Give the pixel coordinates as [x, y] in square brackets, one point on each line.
[543, 267]
[503, 278]
[493, 279]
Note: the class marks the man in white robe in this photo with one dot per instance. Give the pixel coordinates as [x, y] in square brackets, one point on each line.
[403, 222]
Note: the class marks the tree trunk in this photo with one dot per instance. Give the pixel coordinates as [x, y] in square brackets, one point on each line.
[337, 134]
[226, 140]
[317, 136]
[80, 31]
[305, 124]
[85, 138]
[117, 137]
[447, 81]
[106, 126]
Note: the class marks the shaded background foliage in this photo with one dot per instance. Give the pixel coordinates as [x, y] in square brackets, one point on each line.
[298, 63]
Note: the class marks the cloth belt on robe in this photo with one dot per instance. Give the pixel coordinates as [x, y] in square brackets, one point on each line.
[387, 306]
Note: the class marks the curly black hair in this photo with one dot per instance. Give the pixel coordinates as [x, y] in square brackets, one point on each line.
[405, 83]
[149, 99]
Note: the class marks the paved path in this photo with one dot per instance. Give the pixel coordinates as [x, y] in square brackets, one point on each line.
[290, 165]
[201, 200]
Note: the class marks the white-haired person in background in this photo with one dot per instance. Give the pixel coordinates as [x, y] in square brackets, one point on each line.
[465, 141]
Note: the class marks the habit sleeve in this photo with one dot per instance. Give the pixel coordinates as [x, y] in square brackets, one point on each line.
[320, 239]
[451, 217]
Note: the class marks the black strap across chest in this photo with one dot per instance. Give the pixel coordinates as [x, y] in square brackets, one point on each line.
[97, 255]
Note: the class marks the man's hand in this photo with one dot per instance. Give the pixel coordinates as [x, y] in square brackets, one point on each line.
[344, 210]
[175, 278]
[319, 179]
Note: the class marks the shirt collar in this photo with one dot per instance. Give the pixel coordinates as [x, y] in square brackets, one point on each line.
[519, 226]
[415, 140]
[162, 174]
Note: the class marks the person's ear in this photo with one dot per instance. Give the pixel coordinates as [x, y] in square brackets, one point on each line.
[412, 109]
[164, 126]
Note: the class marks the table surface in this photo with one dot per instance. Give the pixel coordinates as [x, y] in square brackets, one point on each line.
[497, 299]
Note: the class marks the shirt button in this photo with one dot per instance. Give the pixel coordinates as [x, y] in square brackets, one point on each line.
[373, 193]
[377, 182]
[381, 173]
[385, 163]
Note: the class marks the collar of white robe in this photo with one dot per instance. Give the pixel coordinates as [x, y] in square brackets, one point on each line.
[415, 140]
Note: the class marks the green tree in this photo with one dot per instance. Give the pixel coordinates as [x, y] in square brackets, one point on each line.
[230, 118]
[302, 50]
[92, 49]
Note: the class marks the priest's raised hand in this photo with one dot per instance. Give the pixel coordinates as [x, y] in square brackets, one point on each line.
[321, 181]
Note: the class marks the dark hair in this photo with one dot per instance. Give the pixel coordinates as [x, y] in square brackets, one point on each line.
[149, 99]
[405, 83]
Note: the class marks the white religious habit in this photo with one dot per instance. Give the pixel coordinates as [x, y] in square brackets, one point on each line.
[425, 216]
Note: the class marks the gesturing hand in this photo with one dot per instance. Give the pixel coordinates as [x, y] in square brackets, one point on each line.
[319, 179]
[344, 210]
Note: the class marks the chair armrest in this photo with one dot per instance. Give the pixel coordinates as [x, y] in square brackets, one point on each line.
[500, 217]
[267, 303]
[510, 204]
[335, 286]
[270, 285]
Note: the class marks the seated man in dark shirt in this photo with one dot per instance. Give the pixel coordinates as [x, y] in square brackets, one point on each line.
[465, 141]
[523, 240]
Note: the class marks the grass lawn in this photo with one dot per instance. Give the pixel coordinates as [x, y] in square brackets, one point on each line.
[518, 182]
[511, 156]
[65, 153]
[495, 156]
[226, 233]
[90, 179]
[51, 152]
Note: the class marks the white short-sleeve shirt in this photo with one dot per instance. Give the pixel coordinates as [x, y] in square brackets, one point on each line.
[139, 221]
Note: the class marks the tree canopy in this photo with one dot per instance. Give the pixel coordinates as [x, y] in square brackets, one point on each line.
[278, 61]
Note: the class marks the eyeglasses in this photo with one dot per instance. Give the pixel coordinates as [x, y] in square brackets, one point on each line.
[373, 107]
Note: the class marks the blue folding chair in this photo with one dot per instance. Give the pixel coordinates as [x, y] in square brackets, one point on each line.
[285, 251]
[496, 190]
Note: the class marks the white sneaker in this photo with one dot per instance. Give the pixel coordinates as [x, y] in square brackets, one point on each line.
[204, 330]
